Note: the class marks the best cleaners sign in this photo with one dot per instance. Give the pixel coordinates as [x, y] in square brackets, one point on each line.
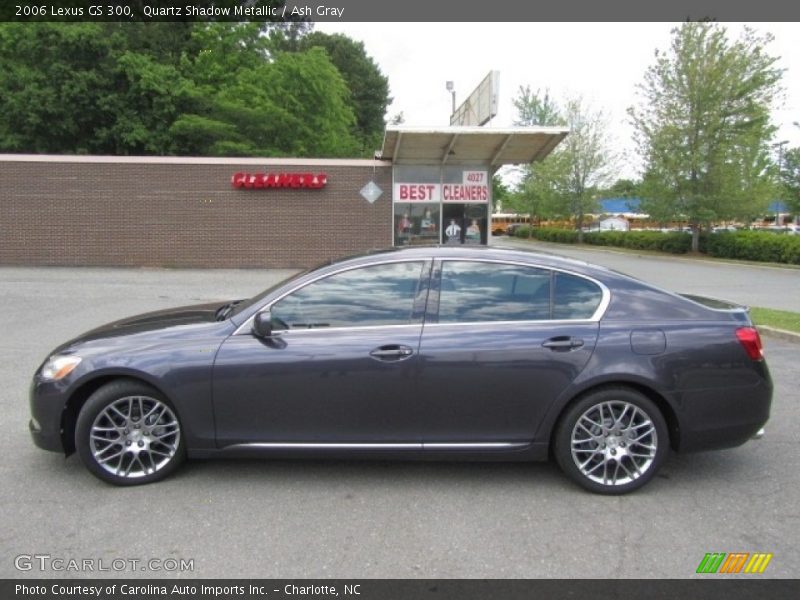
[474, 188]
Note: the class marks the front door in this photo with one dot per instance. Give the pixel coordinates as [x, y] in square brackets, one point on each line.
[340, 369]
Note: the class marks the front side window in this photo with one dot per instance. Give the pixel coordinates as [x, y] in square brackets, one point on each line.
[483, 292]
[367, 296]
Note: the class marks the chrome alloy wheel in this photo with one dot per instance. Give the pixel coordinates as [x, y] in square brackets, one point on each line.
[613, 443]
[134, 436]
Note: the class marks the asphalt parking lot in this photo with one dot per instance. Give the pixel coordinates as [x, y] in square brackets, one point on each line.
[320, 519]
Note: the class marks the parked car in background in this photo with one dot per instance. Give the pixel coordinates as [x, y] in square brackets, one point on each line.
[429, 352]
[514, 227]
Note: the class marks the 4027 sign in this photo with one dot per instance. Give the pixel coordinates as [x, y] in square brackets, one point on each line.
[257, 181]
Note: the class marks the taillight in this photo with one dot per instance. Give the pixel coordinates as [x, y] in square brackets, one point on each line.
[751, 342]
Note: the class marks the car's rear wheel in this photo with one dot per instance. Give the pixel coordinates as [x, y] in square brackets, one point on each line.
[128, 433]
[612, 441]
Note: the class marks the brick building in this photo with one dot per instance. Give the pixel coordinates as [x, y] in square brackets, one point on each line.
[255, 212]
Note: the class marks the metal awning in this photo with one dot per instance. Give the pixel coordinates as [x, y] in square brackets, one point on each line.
[469, 145]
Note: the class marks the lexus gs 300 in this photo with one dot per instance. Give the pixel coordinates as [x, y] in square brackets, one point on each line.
[451, 353]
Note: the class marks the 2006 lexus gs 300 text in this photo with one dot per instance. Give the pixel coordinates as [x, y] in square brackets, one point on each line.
[456, 353]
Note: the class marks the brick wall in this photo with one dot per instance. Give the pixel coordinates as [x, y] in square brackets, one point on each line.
[156, 213]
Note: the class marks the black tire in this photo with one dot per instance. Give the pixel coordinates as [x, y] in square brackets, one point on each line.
[619, 444]
[128, 433]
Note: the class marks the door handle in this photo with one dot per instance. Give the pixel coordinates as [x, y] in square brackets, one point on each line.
[562, 344]
[391, 352]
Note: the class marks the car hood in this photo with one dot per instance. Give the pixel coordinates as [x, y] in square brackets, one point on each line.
[166, 322]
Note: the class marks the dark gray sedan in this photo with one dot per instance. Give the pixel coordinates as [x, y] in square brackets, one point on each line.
[451, 353]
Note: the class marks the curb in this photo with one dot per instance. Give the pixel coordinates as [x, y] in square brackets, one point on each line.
[782, 334]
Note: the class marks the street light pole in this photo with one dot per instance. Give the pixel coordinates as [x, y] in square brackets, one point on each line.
[451, 88]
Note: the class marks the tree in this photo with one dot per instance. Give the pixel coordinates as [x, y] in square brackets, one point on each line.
[564, 183]
[588, 158]
[542, 191]
[537, 193]
[790, 178]
[164, 88]
[369, 88]
[295, 105]
[500, 192]
[703, 126]
[621, 188]
[536, 108]
[52, 76]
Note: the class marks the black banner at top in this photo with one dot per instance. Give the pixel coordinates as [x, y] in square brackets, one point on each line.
[405, 11]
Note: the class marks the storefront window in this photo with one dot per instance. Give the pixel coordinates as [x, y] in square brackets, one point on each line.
[416, 223]
[447, 205]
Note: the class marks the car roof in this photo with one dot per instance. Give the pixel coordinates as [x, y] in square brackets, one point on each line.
[475, 252]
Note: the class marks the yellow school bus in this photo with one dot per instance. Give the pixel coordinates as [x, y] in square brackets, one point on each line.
[501, 221]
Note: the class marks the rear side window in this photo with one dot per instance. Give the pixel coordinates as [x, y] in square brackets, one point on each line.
[480, 292]
[575, 297]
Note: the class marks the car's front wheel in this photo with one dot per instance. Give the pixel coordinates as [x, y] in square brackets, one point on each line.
[612, 441]
[127, 433]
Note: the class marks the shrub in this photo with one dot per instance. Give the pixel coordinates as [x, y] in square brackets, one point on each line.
[744, 245]
[563, 236]
[755, 245]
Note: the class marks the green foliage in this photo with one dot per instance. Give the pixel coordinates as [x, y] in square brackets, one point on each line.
[53, 79]
[536, 108]
[673, 243]
[562, 185]
[703, 127]
[542, 191]
[185, 88]
[621, 188]
[369, 88]
[143, 103]
[782, 319]
[790, 178]
[561, 236]
[588, 157]
[755, 245]
[745, 245]
[500, 192]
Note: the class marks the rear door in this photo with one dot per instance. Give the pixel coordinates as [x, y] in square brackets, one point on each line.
[500, 343]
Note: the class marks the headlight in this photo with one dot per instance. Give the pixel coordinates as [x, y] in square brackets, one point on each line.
[57, 367]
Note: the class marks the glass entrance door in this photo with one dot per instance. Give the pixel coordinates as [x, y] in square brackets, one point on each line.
[464, 224]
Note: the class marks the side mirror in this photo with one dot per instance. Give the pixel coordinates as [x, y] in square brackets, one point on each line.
[262, 324]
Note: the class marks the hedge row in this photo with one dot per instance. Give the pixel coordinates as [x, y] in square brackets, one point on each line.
[755, 245]
[674, 243]
[562, 236]
[745, 245]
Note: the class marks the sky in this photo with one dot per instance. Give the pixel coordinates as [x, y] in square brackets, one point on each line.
[602, 62]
